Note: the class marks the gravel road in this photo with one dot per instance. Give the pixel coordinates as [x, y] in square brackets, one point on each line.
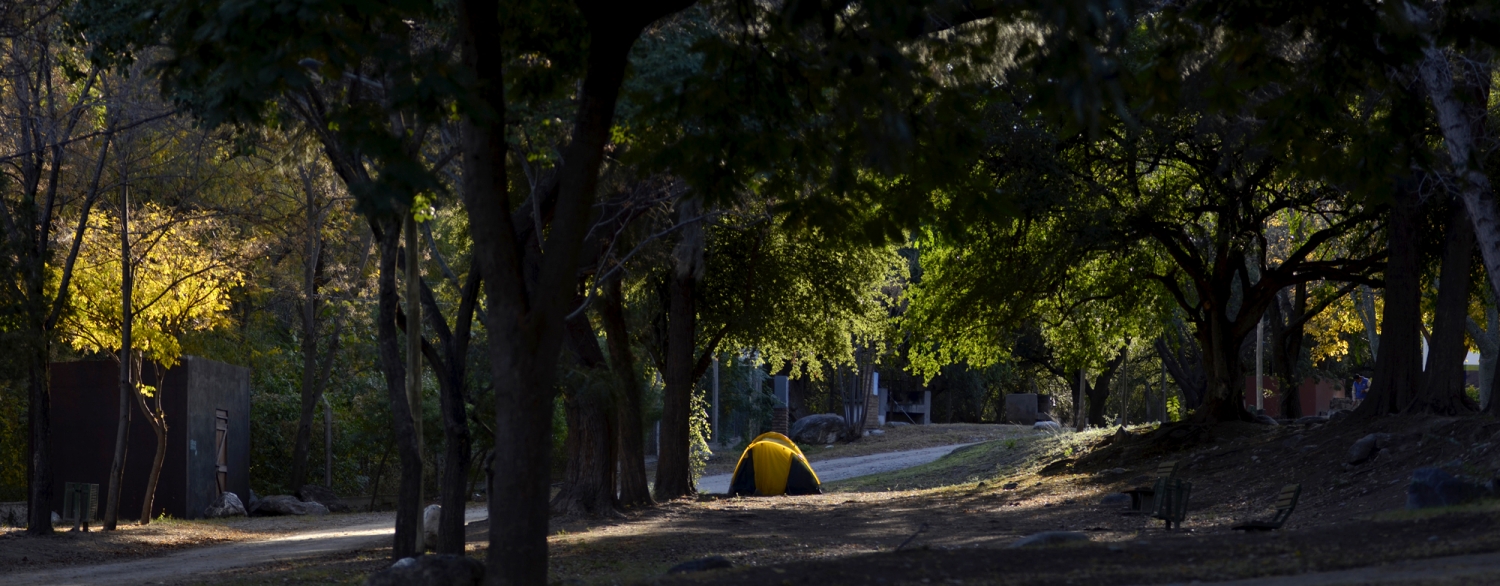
[202, 561]
[844, 468]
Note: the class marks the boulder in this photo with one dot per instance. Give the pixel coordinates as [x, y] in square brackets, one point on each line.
[1432, 487]
[1311, 420]
[716, 562]
[430, 570]
[316, 493]
[1264, 419]
[227, 505]
[56, 519]
[1338, 415]
[1047, 426]
[1118, 499]
[1366, 447]
[818, 429]
[1050, 538]
[285, 504]
[431, 519]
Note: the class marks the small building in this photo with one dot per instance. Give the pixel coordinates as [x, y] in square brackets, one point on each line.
[207, 405]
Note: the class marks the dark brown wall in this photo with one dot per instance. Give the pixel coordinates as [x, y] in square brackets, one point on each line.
[85, 411]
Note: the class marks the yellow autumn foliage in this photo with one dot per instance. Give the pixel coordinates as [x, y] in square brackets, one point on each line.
[182, 280]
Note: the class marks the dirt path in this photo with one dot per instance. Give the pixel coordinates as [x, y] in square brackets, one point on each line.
[1463, 569]
[845, 468]
[207, 560]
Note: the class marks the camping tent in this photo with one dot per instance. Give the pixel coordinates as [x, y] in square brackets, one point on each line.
[773, 465]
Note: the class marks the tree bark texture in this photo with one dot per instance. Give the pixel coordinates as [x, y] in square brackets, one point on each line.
[408, 505]
[1398, 367]
[1442, 388]
[1487, 338]
[1287, 332]
[589, 480]
[634, 489]
[673, 465]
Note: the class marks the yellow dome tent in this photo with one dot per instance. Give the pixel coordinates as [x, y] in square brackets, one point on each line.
[771, 465]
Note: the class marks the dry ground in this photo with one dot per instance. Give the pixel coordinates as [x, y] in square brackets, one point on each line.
[960, 515]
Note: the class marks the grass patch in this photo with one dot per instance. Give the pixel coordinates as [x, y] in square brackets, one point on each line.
[972, 464]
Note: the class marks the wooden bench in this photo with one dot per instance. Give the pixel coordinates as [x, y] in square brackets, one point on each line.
[1285, 504]
[1144, 497]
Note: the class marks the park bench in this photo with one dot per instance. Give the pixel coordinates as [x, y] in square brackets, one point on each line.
[1170, 502]
[1141, 498]
[1285, 504]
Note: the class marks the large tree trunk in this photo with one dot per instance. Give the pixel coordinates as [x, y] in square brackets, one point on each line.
[408, 505]
[673, 465]
[458, 443]
[1442, 389]
[1398, 367]
[634, 490]
[589, 481]
[1287, 332]
[525, 317]
[1224, 400]
[1488, 340]
[117, 465]
[1098, 393]
[39, 415]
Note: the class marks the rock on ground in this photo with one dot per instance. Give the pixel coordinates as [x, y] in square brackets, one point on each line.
[1432, 487]
[818, 429]
[1050, 538]
[1311, 419]
[716, 562]
[285, 504]
[1366, 447]
[1047, 426]
[430, 570]
[1264, 419]
[316, 493]
[431, 518]
[227, 505]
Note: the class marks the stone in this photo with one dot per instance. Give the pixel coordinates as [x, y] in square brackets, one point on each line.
[1021, 408]
[897, 423]
[1118, 499]
[1339, 415]
[1366, 447]
[1264, 419]
[716, 562]
[877, 432]
[253, 504]
[822, 428]
[430, 570]
[1432, 487]
[1009, 486]
[1311, 420]
[1046, 426]
[431, 519]
[285, 504]
[316, 493]
[227, 505]
[56, 519]
[1046, 538]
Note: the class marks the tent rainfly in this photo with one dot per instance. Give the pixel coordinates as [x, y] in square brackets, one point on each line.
[773, 465]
